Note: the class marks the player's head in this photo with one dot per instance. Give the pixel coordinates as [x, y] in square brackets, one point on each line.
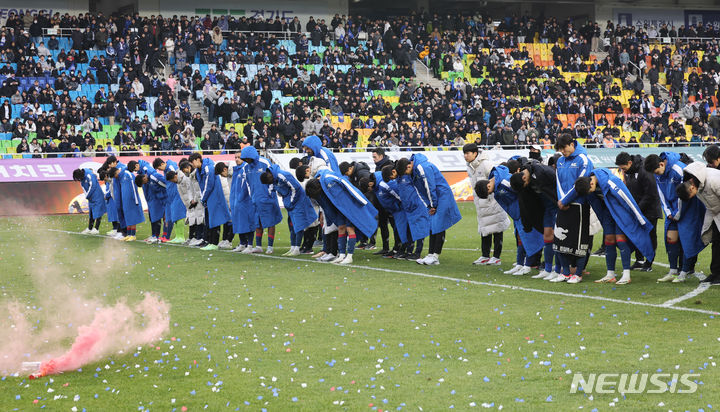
[482, 189]
[654, 164]
[623, 161]
[221, 168]
[689, 188]
[267, 177]
[346, 168]
[313, 188]
[388, 172]
[295, 162]
[158, 164]
[302, 173]
[133, 166]
[172, 176]
[140, 180]
[470, 152]
[585, 185]
[712, 155]
[185, 166]
[113, 172]
[403, 166]
[111, 161]
[378, 154]
[195, 160]
[78, 175]
[517, 183]
[513, 165]
[565, 144]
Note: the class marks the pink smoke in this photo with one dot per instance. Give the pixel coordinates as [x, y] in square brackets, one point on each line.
[112, 329]
[64, 305]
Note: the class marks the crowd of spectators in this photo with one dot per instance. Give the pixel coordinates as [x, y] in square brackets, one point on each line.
[349, 80]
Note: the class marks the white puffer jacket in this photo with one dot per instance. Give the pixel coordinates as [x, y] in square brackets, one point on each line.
[709, 194]
[189, 190]
[491, 217]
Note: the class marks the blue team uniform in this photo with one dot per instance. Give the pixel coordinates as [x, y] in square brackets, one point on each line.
[263, 196]
[435, 193]
[94, 194]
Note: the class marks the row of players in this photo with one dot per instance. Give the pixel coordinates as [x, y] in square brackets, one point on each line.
[556, 208]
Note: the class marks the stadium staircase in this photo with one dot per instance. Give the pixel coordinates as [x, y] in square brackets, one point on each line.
[424, 75]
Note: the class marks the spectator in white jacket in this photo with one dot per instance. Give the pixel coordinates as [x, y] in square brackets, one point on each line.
[138, 87]
[704, 182]
[492, 219]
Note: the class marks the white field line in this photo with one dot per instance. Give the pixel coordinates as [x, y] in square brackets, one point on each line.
[473, 282]
[698, 290]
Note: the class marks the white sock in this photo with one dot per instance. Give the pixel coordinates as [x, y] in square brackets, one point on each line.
[610, 274]
[626, 274]
[673, 271]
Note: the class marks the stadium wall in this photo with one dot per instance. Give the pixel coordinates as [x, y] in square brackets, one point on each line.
[268, 9]
[652, 12]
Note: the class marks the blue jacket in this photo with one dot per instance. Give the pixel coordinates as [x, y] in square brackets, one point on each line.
[568, 170]
[112, 213]
[348, 200]
[415, 209]
[131, 203]
[436, 193]
[668, 182]
[243, 210]
[94, 194]
[212, 194]
[387, 196]
[297, 203]
[154, 191]
[619, 203]
[117, 190]
[313, 142]
[532, 241]
[689, 215]
[174, 207]
[690, 227]
[263, 196]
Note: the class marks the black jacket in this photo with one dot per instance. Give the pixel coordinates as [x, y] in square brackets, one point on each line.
[361, 169]
[542, 180]
[643, 188]
[532, 210]
[384, 162]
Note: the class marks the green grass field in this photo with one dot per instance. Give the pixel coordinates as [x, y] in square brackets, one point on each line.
[259, 332]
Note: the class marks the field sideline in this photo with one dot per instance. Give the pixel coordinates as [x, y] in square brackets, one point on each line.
[278, 333]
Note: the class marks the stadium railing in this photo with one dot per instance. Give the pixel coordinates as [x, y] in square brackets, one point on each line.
[280, 35]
